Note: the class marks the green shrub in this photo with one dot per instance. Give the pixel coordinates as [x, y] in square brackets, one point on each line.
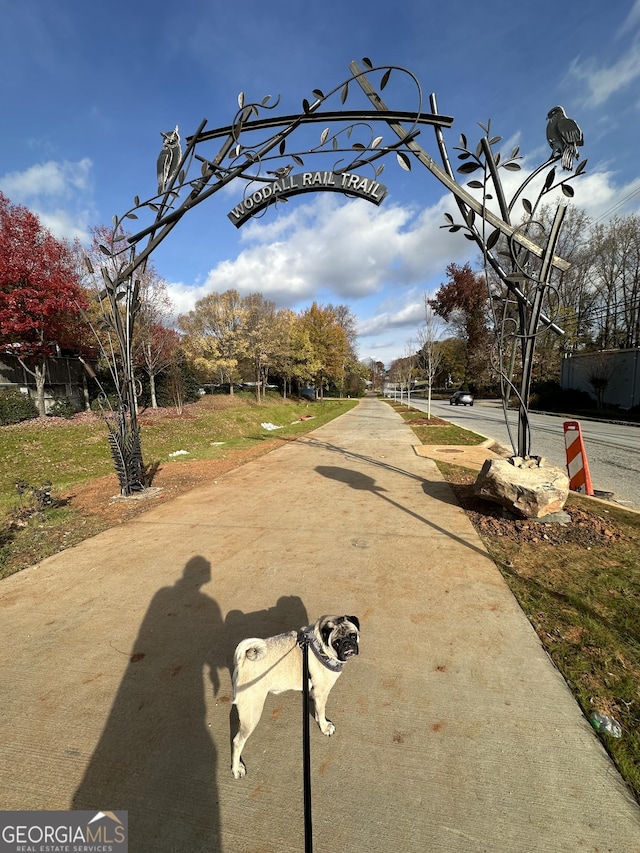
[101, 405]
[550, 397]
[63, 407]
[15, 407]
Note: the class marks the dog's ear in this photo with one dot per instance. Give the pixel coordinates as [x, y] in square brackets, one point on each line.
[325, 631]
[355, 621]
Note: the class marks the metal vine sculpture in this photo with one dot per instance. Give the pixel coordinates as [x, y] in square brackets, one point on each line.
[515, 259]
[256, 149]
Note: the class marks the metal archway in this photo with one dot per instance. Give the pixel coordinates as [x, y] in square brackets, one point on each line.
[255, 150]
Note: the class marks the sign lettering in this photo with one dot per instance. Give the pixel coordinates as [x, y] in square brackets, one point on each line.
[344, 182]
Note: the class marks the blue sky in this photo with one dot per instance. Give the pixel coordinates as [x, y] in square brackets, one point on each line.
[91, 86]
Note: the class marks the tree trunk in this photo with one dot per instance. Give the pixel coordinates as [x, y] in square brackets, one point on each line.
[39, 373]
[152, 389]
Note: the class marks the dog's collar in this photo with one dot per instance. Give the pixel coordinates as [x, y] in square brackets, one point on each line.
[307, 635]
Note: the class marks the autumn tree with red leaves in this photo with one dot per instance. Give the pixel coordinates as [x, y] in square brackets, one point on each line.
[463, 303]
[40, 294]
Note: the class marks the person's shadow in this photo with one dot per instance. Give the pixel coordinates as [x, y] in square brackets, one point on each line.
[155, 757]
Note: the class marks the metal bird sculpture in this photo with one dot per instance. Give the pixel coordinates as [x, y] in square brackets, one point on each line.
[282, 172]
[564, 136]
[169, 158]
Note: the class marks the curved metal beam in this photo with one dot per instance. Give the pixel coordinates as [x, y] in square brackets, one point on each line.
[339, 115]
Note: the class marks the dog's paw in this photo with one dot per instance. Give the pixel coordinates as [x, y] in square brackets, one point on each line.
[240, 771]
[328, 729]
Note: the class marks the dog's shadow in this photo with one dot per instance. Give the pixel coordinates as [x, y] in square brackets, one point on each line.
[288, 614]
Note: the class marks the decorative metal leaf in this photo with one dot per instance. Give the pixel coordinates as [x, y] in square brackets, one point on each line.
[403, 160]
[463, 140]
[131, 216]
[465, 155]
[238, 149]
[298, 160]
[581, 167]
[155, 208]
[493, 239]
[496, 159]
[335, 144]
[494, 140]
[527, 206]
[345, 93]
[253, 111]
[366, 61]
[385, 79]
[478, 149]
[283, 145]
[359, 146]
[241, 100]
[104, 250]
[550, 179]
[449, 218]
[470, 217]
[568, 190]
[470, 237]
[379, 170]
[114, 219]
[476, 185]
[319, 94]
[515, 151]
[454, 228]
[467, 168]
[136, 201]
[376, 142]
[265, 100]
[512, 167]
[181, 177]
[323, 136]
[305, 106]
[106, 278]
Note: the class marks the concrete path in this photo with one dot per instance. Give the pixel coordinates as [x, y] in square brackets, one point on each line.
[454, 730]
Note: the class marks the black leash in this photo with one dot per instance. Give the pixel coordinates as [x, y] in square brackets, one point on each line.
[306, 750]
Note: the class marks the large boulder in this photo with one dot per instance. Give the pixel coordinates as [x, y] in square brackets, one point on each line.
[528, 487]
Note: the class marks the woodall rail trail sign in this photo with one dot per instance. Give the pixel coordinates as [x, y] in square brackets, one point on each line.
[348, 183]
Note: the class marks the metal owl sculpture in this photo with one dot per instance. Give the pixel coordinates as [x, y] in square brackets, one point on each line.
[564, 136]
[169, 158]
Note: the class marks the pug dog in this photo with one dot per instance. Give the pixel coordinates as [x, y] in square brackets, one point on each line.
[274, 665]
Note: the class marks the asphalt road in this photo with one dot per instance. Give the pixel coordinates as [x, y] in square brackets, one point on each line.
[613, 450]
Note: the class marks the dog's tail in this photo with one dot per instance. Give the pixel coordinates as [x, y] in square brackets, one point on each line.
[248, 650]
[251, 649]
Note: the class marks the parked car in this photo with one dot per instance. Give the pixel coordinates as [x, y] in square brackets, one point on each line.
[461, 398]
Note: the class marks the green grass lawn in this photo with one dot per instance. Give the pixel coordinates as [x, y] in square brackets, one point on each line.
[70, 454]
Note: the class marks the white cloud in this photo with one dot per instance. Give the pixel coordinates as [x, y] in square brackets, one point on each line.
[350, 250]
[409, 315]
[65, 225]
[57, 192]
[602, 80]
[53, 178]
[632, 19]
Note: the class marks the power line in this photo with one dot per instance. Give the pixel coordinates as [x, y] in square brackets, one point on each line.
[617, 205]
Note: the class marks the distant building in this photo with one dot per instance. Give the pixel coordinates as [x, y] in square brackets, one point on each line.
[66, 379]
[617, 372]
